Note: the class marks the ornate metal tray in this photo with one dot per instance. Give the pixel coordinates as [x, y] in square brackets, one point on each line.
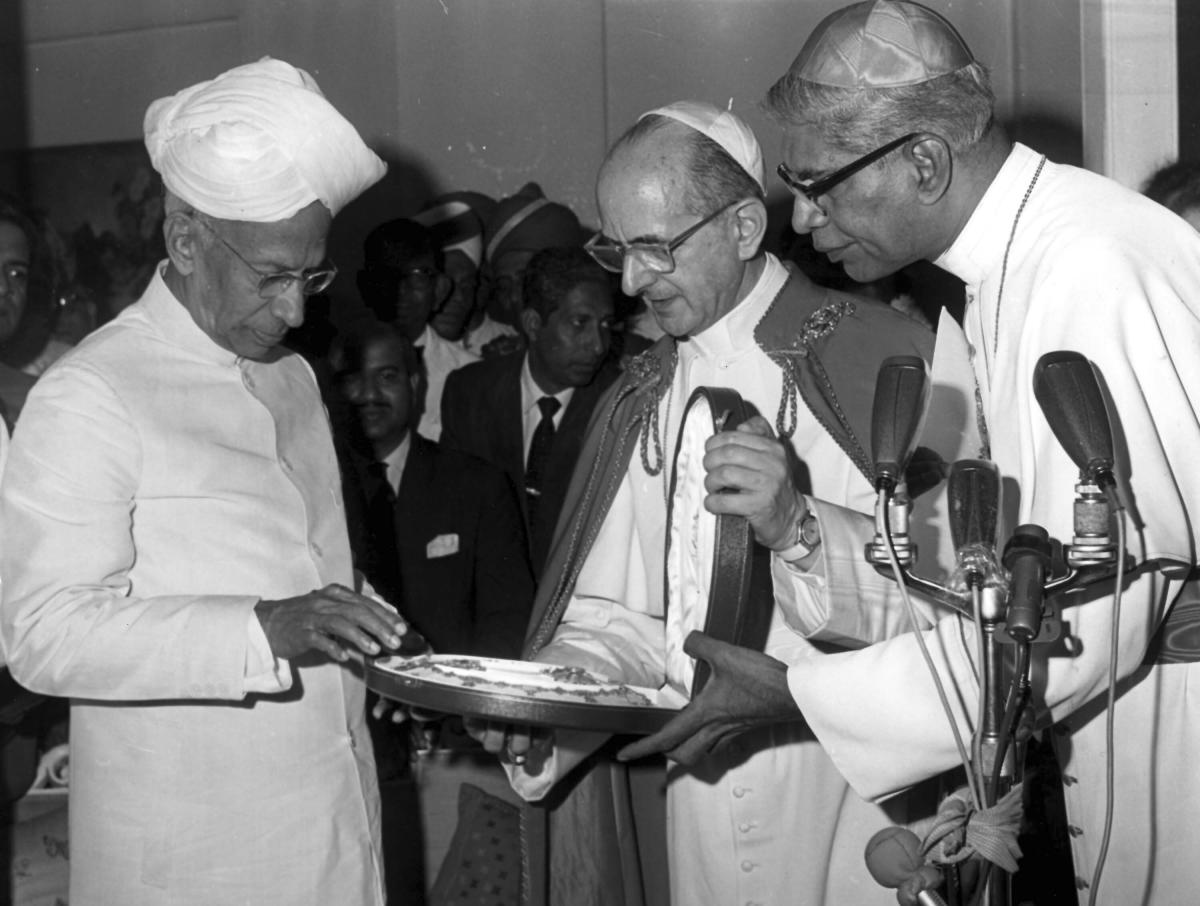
[524, 692]
[729, 596]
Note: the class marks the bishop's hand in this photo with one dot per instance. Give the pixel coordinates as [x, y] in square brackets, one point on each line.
[746, 689]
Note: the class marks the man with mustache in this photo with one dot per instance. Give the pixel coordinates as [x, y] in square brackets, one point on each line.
[439, 533]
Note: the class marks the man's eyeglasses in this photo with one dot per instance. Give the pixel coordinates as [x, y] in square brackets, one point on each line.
[656, 256]
[812, 189]
[312, 280]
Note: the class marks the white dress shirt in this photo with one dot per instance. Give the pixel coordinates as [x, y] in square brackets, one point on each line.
[531, 414]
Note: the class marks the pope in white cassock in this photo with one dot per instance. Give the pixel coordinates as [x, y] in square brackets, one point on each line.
[768, 819]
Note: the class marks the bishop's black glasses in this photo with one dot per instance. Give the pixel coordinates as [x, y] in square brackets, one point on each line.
[812, 189]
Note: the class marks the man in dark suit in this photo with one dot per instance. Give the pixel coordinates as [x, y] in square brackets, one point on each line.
[500, 409]
[440, 534]
[452, 554]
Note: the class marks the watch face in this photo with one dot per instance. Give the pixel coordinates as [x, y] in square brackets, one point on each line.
[810, 531]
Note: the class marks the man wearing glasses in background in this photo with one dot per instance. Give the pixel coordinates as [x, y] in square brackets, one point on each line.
[682, 214]
[404, 282]
[175, 554]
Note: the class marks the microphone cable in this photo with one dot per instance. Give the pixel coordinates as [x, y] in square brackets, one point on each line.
[1111, 702]
[884, 528]
[982, 678]
[1018, 697]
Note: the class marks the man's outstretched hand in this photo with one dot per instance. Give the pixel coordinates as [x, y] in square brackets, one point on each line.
[329, 620]
[746, 689]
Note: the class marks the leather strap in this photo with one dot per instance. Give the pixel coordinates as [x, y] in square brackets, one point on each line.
[741, 597]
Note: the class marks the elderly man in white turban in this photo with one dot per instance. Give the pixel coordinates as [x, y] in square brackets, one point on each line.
[175, 554]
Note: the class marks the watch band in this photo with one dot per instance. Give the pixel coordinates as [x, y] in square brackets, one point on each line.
[808, 539]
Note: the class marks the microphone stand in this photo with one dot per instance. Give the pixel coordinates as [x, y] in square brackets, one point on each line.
[1010, 605]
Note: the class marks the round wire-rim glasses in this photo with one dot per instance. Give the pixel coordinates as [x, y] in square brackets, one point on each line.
[312, 280]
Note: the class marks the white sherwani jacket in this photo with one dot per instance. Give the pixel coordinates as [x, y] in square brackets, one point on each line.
[158, 487]
[1098, 269]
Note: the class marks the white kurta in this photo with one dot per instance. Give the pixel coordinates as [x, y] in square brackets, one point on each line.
[771, 821]
[157, 488]
[1097, 269]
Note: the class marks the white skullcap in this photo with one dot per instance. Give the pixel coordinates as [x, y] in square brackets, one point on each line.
[258, 143]
[723, 127]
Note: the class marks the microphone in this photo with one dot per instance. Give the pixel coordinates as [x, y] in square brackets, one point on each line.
[893, 856]
[1027, 558]
[974, 498]
[1068, 391]
[1067, 388]
[901, 396]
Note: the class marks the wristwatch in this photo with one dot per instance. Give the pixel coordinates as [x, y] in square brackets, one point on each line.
[808, 539]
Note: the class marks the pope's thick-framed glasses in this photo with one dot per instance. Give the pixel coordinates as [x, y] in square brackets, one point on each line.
[812, 189]
[313, 280]
[655, 256]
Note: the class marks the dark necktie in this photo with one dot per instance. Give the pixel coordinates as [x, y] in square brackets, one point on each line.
[539, 453]
[383, 566]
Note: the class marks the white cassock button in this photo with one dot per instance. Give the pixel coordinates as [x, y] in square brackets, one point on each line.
[747, 865]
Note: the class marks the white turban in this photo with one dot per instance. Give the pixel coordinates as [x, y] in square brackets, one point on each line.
[258, 143]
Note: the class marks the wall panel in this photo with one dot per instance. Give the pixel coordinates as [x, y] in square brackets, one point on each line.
[96, 89]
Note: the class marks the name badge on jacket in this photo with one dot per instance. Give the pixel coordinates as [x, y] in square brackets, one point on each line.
[442, 546]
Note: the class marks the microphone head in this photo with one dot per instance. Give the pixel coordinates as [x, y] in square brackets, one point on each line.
[893, 855]
[901, 395]
[974, 498]
[1068, 391]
